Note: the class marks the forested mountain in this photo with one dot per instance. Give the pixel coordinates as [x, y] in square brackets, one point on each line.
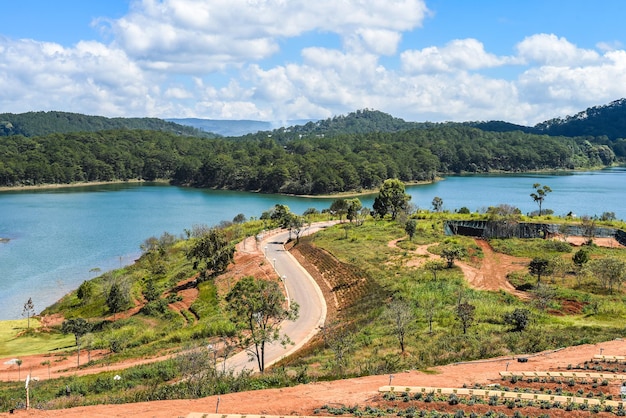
[608, 120]
[44, 123]
[309, 165]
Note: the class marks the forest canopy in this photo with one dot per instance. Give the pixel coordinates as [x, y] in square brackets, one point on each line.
[307, 165]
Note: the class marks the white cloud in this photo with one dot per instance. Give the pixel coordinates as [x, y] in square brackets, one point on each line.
[548, 49]
[457, 55]
[89, 77]
[196, 35]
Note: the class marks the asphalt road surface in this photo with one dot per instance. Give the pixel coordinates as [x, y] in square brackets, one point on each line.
[301, 288]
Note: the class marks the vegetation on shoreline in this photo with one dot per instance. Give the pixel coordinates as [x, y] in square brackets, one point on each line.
[351, 154]
[388, 314]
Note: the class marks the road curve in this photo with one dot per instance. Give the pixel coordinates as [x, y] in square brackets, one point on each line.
[301, 288]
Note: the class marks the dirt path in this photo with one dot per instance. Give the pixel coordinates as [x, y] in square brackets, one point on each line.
[491, 275]
[493, 271]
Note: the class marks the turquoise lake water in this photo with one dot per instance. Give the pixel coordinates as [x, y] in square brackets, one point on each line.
[58, 237]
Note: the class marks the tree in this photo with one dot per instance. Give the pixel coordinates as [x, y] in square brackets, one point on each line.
[29, 310]
[609, 271]
[540, 194]
[214, 250]
[116, 300]
[280, 215]
[400, 314]
[430, 304]
[354, 206]
[410, 227]
[391, 199]
[257, 308]
[435, 266]
[239, 218]
[78, 327]
[339, 207]
[465, 315]
[437, 204]
[295, 225]
[538, 267]
[519, 319]
[451, 253]
[19, 368]
[85, 291]
[341, 342]
[580, 258]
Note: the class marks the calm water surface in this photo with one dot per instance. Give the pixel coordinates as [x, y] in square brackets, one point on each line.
[59, 237]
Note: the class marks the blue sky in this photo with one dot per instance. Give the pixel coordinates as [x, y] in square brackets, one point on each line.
[421, 60]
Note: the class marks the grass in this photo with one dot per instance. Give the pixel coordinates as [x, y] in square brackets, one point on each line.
[16, 340]
[363, 327]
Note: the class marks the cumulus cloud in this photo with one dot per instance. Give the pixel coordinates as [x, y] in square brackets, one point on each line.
[86, 76]
[460, 54]
[549, 49]
[195, 35]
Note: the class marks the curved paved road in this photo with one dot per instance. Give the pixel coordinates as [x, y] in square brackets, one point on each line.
[302, 288]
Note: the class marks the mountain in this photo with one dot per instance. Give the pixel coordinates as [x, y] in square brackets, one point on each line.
[607, 120]
[44, 123]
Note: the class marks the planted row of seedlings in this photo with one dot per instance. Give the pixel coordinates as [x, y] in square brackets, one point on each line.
[599, 366]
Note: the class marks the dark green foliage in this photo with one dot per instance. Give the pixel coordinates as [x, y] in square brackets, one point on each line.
[581, 257]
[85, 291]
[151, 292]
[519, 319]
[76, 326]
[410, 227]
[214, 250]
[285, 162]
[392, 199]
[539, 267]
[117, 298]
[45, 123]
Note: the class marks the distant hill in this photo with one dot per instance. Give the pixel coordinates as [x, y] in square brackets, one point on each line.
[598, 121]
[45, 123]
[224, 127]
[608, 120]
[233, 128]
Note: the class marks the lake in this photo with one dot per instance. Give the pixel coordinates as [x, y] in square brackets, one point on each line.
[61, 237]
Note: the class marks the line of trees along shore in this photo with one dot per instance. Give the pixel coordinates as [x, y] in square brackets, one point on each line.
[307, 165]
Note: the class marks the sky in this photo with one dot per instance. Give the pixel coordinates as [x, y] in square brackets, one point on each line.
[277, 60]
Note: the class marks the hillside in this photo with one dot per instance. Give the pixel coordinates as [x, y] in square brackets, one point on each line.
[44, 123]
[607, 120]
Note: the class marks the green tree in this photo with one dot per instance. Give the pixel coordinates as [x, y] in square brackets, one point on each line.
[410, 227]
[151, 292]
[339, 207]
[391, 199]
[539, 266]
[451, 253]
[354, 206]
[78, 327]
[117, 298]
[609, 271]
[214, 250]
[540, 193]
[85, 291]
[258, 308]
[519, 319]
[29, 310]
[465, 313]
[580, 258]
